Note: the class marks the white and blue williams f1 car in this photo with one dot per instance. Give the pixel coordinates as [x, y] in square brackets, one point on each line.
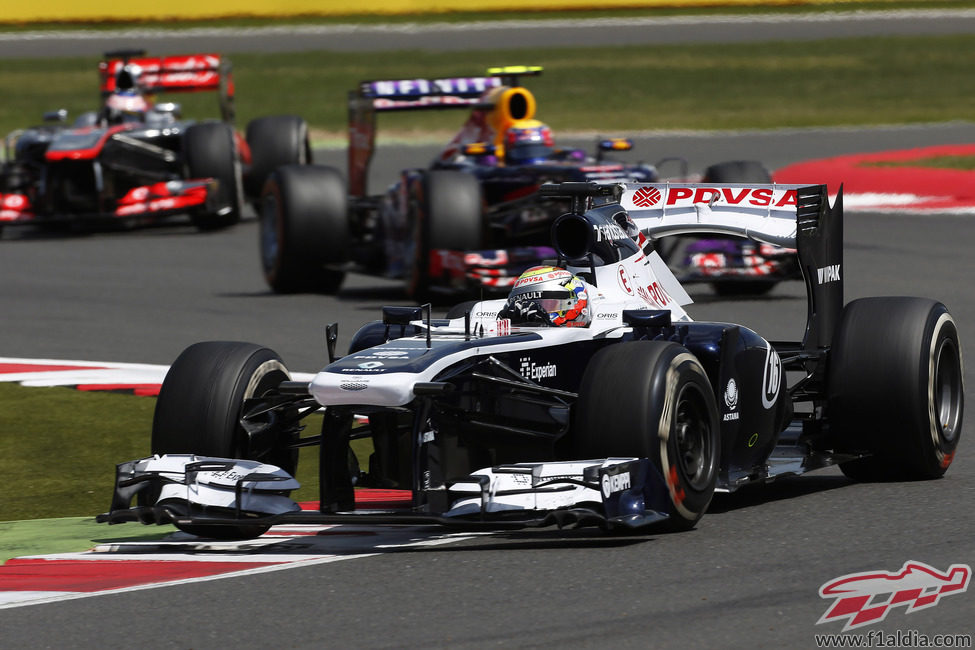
[632, 418]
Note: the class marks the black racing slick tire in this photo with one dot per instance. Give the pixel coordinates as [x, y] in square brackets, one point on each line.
[304, 229]
[896, 388]
[447, 214]
[739, 171]
[199, 409]
[652, 399]
[210, 151]
[274, 141]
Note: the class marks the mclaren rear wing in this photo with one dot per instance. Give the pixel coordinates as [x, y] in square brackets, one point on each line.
[793, 216]
[183, 73]
[392, 95]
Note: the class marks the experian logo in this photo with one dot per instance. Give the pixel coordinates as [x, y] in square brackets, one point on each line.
[531, 370]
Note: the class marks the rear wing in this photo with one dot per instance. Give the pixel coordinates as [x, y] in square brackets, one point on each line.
[794, 216]
[183, 73]
[391, 95]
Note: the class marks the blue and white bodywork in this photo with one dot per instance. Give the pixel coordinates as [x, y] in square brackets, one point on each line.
[635, 419]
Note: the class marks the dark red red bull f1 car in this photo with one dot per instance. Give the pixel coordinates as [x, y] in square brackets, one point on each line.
[471, 221]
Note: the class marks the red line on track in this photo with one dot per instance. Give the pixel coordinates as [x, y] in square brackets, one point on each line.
[30, 574]
[12, 368]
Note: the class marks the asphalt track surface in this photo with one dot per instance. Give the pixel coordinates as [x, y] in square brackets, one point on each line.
[749, 575]
[499, 34]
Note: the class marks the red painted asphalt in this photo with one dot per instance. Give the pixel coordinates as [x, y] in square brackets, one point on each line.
[16, 368]
[903, 188]
[89, 576]
[96, 572]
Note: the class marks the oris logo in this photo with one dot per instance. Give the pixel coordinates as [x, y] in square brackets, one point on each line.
[646, 197]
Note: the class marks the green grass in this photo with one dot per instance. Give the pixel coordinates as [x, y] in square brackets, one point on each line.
[938, 162]
[739, 86]
[59, 448]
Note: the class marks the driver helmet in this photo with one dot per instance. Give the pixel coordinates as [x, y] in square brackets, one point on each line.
[562, 297]
[125, 106]
[528, 142]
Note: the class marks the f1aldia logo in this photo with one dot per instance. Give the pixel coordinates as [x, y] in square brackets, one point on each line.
[866, 598]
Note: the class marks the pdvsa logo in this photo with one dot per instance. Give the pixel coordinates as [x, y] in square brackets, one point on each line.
[646, 197]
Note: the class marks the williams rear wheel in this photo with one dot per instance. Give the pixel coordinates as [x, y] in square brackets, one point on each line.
[896, 388]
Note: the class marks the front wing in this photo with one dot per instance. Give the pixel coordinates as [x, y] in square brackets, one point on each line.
[612, 493]
[148, 202]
